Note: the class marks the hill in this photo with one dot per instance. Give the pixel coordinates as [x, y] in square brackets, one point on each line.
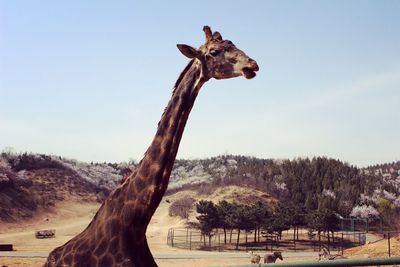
[30, 182]
[313, 183]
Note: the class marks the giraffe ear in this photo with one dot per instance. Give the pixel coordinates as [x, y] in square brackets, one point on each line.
[188, 51]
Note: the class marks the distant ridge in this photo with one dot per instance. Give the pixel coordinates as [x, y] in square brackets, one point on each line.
[32, 182]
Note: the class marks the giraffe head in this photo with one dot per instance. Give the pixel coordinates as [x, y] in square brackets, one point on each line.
[221, 59]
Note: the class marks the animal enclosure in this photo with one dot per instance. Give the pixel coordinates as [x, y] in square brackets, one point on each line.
[218, 240]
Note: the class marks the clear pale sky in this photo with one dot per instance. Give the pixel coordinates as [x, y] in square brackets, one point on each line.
[90, 79]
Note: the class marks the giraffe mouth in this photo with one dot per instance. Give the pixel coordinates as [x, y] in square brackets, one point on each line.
[248, 73]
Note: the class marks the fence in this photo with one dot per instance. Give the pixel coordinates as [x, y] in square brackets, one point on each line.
[361, 224]
[189, 238]
[338, 241]
[355, 262]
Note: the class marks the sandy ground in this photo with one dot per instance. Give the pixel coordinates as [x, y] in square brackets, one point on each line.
[38, 262]
[376, 249]
[70, 218]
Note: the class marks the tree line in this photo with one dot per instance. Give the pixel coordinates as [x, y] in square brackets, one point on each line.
[259, 218]
[313, 183]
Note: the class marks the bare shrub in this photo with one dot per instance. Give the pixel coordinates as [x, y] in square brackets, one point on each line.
[181, 207]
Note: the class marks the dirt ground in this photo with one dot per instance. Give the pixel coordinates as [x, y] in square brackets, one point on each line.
[38, 262]
[71, 217]
[375, 250]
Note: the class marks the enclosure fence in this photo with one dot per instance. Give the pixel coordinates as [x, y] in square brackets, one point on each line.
[362, 224]
[193, 239]
[357, 262]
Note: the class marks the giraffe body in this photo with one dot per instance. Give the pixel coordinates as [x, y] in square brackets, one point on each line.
[117, 234]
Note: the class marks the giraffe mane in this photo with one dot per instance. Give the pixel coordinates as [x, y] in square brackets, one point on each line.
[182, 75]
[180, 78]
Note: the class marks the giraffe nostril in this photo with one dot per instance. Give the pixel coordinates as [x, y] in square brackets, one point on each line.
[253, 65]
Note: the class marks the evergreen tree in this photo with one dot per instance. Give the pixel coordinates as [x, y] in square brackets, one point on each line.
[225, 212]
[208, 218]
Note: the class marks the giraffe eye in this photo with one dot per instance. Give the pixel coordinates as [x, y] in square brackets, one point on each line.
[215, 52]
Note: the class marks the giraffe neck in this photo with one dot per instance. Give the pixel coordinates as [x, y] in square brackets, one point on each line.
[151, 177]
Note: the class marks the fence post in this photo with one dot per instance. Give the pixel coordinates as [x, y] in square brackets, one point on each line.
[190, 241]
[172, 237]
[314, 244]
[219, 242]
[388, 234]
[186, 237]
[245, 231]
[274, 242]
[319, 242]
[329, 243]
[341, 244]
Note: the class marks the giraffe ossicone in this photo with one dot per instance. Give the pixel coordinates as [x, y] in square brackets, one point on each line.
[116, 236]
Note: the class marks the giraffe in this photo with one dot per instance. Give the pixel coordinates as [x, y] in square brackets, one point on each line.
[116, 236]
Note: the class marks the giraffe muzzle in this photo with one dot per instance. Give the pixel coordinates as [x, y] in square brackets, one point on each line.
[249, 73]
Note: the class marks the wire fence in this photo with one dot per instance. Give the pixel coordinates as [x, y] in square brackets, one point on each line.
[218, 240]
[345, 263]
[362, 225]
